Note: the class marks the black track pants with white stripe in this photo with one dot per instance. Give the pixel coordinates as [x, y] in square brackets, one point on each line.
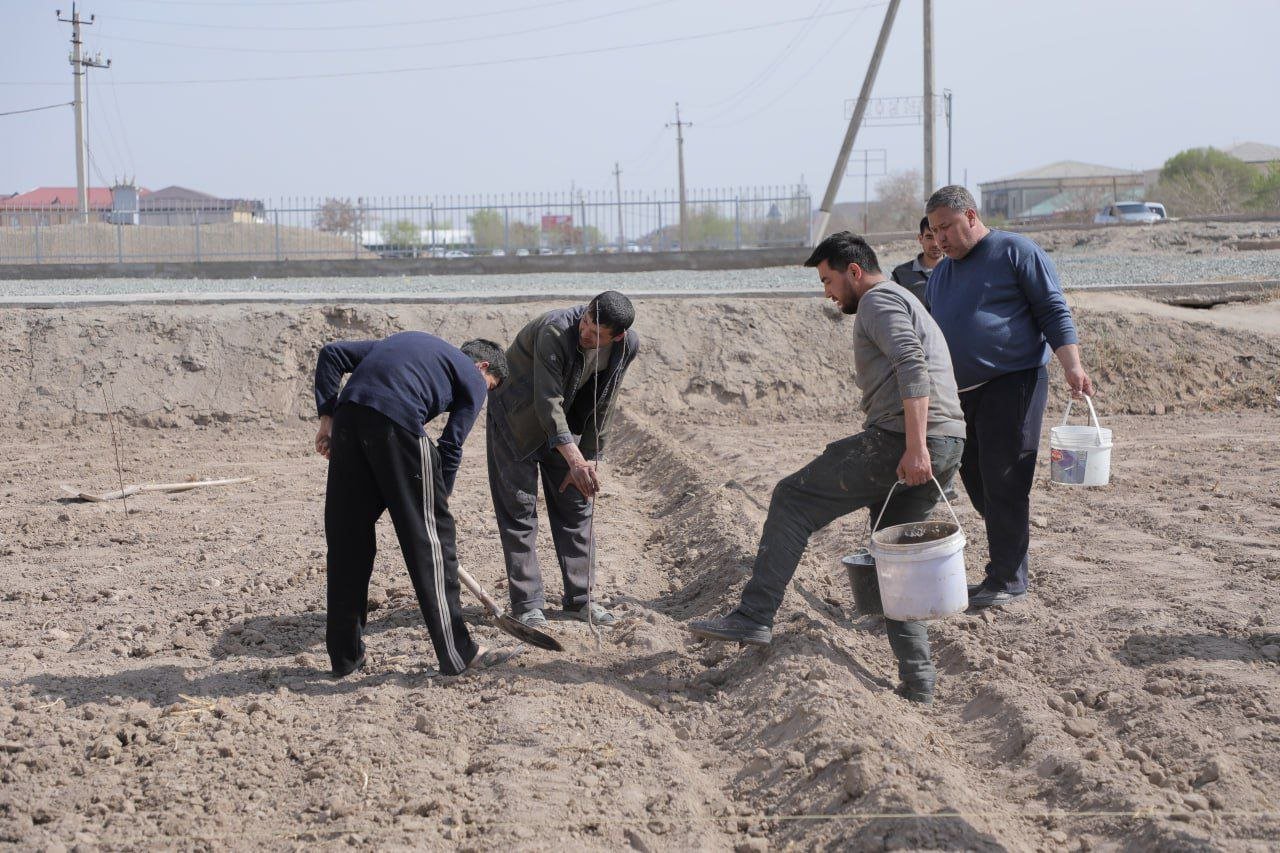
[376, 465]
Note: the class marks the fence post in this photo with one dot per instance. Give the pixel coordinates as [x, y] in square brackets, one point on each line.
[196, 219]
[275, 214]
[737, 222]
[38, 252]
[506, 228]
[662, 235]
[119, 243]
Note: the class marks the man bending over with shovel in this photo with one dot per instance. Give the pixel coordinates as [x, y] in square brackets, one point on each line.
[380, 459]
[913, 431]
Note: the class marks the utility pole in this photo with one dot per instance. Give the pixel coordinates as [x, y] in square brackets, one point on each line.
[929, 186]
[617, 182]
[842, 161]
[79, 70]
[946, 97]
[680, 126]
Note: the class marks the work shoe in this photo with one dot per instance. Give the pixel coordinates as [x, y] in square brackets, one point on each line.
[915, 693]
[598, 615]
[974, 587]
[532, 618]
[985, 597]
[733, 627]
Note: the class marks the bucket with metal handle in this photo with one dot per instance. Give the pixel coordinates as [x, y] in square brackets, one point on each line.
[920, 566]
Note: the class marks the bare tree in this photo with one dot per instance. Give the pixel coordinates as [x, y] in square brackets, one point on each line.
[337, 215]
[901, 203]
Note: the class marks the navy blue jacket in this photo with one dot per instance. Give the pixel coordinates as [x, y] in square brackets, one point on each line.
[411, 377]
[1000, 308]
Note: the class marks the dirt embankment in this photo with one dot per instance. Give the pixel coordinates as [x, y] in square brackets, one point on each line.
[755, 358]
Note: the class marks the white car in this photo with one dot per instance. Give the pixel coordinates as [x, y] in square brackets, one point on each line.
[456, 253]
[1126, 211]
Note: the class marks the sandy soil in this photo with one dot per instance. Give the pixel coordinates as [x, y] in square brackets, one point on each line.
[163, 671]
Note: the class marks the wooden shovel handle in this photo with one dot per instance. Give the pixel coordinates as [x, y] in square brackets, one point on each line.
[478, 591]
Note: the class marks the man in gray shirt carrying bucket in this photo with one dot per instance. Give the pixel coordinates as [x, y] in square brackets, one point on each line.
[913, 431]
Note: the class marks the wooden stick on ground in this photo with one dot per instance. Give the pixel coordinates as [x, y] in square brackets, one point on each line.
[126, 491]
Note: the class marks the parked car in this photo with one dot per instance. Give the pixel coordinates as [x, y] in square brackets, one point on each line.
[456, 253]
[499, 253]
[1157, 208]
[1126, 211]
[522, 253]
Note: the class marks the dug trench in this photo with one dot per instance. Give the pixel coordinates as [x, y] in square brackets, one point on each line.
[164, 670]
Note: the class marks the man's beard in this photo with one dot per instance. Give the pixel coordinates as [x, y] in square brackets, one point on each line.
[847, 308]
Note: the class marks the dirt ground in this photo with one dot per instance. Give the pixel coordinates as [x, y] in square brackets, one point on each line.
[164, 677]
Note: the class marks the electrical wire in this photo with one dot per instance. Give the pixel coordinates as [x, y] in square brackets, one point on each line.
[347, 27]
[380, 48]
[771, 66]
[822, 57]
[483, 63]
[124, 131]
[37, 109]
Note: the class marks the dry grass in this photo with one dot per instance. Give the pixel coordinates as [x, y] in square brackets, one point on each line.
[100, 242]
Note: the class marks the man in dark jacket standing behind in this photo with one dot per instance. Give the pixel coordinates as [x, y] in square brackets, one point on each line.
[380, 460]
[997, 299]
[550, 419]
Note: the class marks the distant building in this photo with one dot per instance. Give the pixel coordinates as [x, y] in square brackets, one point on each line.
[181, 206]
[1058, 188]
[127, 205]
[53, 206]
[1257, 154]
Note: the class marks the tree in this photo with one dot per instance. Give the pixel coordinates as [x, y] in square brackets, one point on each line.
[402, 232]
[1206, 180]
[706, 228]
[487, 228]
[901, 203]
[337, 215]
[1266, 189]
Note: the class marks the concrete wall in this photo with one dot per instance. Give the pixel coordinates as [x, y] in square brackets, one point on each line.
[480, 265]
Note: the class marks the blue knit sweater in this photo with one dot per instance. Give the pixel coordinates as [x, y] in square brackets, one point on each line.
[1000, 307]
[411, 377]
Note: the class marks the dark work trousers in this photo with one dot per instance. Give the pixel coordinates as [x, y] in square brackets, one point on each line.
[377, 465]
[851, 474]
[514, 485]
[1003, 419]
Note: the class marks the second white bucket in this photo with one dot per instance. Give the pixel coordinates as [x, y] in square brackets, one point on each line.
[920, 567]
[1080, 455]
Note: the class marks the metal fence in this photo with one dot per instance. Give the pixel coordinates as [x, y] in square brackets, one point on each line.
[455, 226]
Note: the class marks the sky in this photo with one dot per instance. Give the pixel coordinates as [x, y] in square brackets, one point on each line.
[402, 98]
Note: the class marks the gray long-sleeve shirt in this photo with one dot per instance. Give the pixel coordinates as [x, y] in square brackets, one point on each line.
[899, 352]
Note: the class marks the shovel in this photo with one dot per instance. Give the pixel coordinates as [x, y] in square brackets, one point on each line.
[506, 622]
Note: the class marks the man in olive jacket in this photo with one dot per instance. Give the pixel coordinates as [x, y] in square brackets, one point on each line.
[550, 418]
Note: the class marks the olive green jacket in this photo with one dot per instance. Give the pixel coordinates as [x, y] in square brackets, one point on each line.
[537, 403]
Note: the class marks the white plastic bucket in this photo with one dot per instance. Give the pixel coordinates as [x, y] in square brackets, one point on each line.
[1080, 455]
[920, 567]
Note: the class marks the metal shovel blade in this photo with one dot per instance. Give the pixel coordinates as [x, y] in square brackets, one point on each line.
[524, 633]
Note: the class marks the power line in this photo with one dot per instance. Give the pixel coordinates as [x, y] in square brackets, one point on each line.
[461, 65]
[380, 48]
[772, 64]
[36, 109]
[246, 2]
[822, 57]
[346, 27]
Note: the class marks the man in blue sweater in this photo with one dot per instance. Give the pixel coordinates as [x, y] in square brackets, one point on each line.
[997, 299]
[380, 459]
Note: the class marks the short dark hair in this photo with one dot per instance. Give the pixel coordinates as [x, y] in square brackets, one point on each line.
[924, 224]
[844, 248]
[479, 350]
[612, 309]
[953, 197]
